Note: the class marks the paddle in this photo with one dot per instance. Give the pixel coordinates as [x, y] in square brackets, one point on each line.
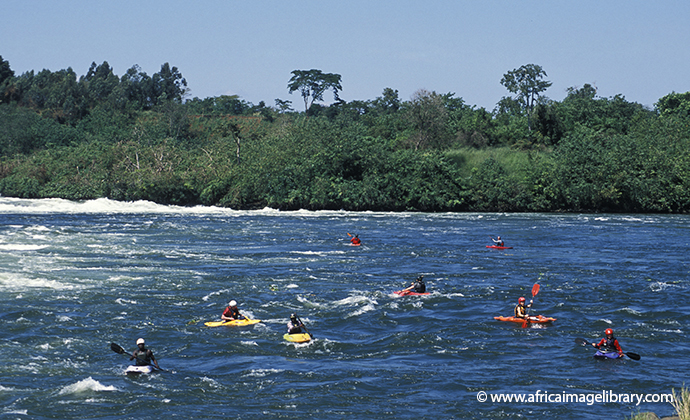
[583, 342]
[119, 350]
[305, 327]
[535, 290]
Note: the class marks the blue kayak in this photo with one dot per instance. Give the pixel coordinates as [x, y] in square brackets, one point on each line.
[603, 355]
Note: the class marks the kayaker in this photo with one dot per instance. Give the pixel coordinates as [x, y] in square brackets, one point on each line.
[521, 308]
[295, 325]
[609, 343]
[498, 241]
[355, 240]
[231, 313]
[418, 286]
[143, 355]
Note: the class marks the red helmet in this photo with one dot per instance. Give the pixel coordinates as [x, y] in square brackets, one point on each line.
[521, 300]
[608, 331]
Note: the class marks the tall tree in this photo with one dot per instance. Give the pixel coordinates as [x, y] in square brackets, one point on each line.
[6, 73]
[428, 115]
[312, 84]
[527, 84]
[169, 84]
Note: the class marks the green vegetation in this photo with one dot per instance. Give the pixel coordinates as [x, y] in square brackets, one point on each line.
[681, 403]
[134, 137]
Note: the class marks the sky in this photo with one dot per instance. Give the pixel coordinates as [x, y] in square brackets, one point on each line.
[638, 49]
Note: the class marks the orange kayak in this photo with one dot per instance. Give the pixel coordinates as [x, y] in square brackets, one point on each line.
[539, 319]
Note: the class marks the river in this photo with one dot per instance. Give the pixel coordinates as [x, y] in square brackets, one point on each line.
[78, 276]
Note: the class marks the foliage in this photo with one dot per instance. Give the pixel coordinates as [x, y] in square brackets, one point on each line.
[681, 402]
[134, 138]
[312, 84]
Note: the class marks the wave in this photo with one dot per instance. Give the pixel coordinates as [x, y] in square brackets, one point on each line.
[87, 385]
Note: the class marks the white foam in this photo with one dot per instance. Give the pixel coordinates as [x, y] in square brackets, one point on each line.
[87, 385]
[16, 282]
[20, 247]
[260, 373]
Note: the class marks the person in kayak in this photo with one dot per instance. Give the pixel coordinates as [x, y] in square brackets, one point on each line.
[521, 308]
[418, 286]
[143, 355]
[609, 343]
[498, 241]
[231, 313]
[295, 325]
[355, 240]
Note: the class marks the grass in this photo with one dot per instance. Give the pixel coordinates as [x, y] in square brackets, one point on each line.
[512, 160]
[681, 403]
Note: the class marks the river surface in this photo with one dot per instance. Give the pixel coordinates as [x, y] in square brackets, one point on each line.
[76, 277]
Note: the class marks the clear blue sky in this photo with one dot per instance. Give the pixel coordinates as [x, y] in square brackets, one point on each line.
[640, 49]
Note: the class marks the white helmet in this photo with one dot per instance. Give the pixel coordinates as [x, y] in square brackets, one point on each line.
[140, 341]
[232, 303]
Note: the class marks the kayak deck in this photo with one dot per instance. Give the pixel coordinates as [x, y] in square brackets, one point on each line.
[603, 355]
[138, 370]
[539, 319]
[297, 338]
[233, 323]
[499, 247]
[409, 293]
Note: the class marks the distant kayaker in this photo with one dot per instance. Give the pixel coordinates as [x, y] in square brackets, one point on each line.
[418, 286]
[143, 355]
[231, 313]
[355, 240]
[498, 241]
[521, 308]
[609, 343]
[295, 325]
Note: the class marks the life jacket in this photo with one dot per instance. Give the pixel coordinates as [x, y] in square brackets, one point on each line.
[294, 328]
[609, 345]
[232, 312]
[143, 357]
[419, 287]
[524, 311]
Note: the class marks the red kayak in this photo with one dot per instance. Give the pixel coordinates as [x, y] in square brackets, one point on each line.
[409, 293]
[499, 247]
[539, 319]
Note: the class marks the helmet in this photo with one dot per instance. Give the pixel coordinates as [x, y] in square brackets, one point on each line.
[608, 331]
[140, 341]
[293, 316]
[232, 303]
[521, 300]
[499, 237]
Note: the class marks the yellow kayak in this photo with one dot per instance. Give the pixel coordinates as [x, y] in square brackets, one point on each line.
[297, 338]
[233, 323]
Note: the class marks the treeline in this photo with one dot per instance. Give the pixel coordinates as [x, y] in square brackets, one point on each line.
[135, 137]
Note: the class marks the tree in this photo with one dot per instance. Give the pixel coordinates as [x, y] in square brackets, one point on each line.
[312, 84]
[6, 73]
[169, 84]
[527, 84]
[428, 116]
[677, 104]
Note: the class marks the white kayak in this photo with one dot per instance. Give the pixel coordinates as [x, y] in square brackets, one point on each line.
[138, 370]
